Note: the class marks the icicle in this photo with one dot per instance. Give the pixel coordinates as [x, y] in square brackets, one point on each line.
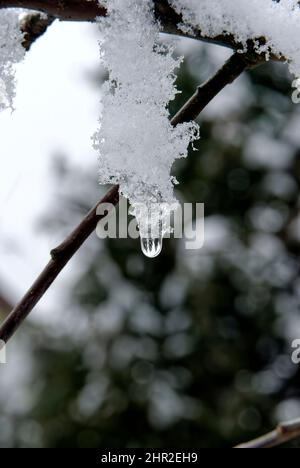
[151, 247]
[152, 229]
[136, 141]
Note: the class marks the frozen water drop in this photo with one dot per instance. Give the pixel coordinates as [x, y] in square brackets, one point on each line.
[151, 229]
[151, 247]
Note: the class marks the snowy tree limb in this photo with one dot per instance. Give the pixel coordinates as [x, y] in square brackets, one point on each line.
[284, 432]
[170, 20]
[33, 25]
[63, 254]
[88, 10]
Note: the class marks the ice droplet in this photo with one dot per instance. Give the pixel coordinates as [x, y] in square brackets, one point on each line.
[151, 247]
[152, 229]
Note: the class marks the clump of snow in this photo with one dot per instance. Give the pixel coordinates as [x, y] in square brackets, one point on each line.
[136, 142]
[277, 22]
[11, 52]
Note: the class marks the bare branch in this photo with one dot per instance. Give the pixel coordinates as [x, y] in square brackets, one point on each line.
[60, 257]
[205, 93]
[63, 254]
[74, 10]
[284, 432]
[170, 20]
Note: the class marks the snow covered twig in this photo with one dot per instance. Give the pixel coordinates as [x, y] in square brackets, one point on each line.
[284, 432]
[63, 254]
[88, 10]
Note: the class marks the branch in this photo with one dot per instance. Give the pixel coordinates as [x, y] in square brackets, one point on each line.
[206, 92]
[88, 10]
[60, 257]
[284, 432]
[63, 254]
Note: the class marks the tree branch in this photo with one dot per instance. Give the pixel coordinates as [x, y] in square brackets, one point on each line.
[284, 432]
[236, 64]
[58, 261]
[206, 92]
[170, 19]
[74, 10]
[88, 10]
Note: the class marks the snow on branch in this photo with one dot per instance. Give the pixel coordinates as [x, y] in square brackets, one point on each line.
[11, 52]
[136, 142]
[272, 27]
[18, 31]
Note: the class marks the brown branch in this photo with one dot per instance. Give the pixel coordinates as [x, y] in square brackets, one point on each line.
[88, 10]
[62, 254]
[74, 10]
[58, 261]
[284, 432]
[206, 92]
[170, 19]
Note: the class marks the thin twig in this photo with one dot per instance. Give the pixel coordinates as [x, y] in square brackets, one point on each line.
[285, 432]
[71, 245]
[62, 254]
[206, 92]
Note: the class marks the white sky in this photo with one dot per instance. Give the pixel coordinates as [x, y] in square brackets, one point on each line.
[56, 110]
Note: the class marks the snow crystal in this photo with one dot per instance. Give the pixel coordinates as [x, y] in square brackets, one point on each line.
[277, 22]
[136, 141]
[12, 52]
